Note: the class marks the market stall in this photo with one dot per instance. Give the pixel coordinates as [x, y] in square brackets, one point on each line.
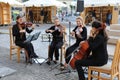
[5, 8]
[49, 7]
[101, 8]
[4, 14]
[37, 18]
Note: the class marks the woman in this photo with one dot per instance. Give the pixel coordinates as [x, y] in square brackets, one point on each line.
[80, 33]
[19, 32]
[57, 32]
[98, 46]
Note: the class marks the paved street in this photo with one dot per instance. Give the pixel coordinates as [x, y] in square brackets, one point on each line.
[35, 71]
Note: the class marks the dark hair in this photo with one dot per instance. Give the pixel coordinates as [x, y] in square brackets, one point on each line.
[96, 24]
[18, 17]
[101, 27]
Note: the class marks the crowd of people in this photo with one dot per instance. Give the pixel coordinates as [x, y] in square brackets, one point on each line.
[43, 14]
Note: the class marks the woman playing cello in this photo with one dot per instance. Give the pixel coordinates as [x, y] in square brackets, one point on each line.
[98, 46]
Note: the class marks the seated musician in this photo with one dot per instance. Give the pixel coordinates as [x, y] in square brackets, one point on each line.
[80, 33]
[19, 32]
[57, 32]
[98, 46]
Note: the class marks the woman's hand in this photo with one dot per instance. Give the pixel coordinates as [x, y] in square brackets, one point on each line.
[51, 31]
[72, 33]
[93, 33]
[22, 31]
[82, 42]
[33, 26]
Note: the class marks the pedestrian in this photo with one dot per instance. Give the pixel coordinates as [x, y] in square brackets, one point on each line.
[108, 17]
[31, 15]
[42, 15]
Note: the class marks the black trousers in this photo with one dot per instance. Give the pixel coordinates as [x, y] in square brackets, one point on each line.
[31, 19]
[28, 46]
[84, 63]
[69, 51]
[54, 47]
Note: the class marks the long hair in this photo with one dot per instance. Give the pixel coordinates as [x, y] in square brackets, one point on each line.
[101, 27]
[79, 17]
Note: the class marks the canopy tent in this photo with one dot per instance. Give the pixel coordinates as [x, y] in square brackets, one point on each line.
[36, 3]
[12, 2]
[42, 3]
[56, 3]
[96, 3]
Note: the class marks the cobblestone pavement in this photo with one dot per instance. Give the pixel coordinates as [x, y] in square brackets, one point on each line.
[34, 71]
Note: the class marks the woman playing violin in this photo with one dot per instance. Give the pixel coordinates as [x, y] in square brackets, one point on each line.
[19, 32]
[57, 32]
[98, 46]
[80, 33]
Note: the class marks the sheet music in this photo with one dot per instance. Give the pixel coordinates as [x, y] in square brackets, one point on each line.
[32, 37]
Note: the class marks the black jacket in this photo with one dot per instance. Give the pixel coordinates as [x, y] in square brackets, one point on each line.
[19, 37]
[57, 37]
[98, 46]
[83, 34]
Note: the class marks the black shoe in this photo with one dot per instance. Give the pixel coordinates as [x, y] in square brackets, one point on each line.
[63, 68]
[29, 61]
[55, 62]
[86, 78]
[34, 56]
[48, 62]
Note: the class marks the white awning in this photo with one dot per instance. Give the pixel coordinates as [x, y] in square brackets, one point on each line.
[40, 3]
[37, 3]
[56, 3]
[12, 2]
[95, 3]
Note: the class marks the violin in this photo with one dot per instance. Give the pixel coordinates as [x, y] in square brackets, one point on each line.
[26, 24]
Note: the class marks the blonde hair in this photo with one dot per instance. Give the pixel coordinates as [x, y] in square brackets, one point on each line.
[56, 18]
[79, 17]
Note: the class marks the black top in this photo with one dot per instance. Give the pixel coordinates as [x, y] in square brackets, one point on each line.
[93, 14]
[19, 36]
[57, 37]
[83, 34]
[31, 13]
[98, 46]
[45, 13]
[42, 12]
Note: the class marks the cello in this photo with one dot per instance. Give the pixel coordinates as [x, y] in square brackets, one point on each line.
[81, 54]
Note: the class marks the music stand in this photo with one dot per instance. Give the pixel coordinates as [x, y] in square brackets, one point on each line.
[32, 38]
[44, 60]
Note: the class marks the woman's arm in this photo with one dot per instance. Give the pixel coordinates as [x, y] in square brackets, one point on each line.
[30, 30]
[95, 42]
[84, 35]
[49, 30]
[15, 30]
